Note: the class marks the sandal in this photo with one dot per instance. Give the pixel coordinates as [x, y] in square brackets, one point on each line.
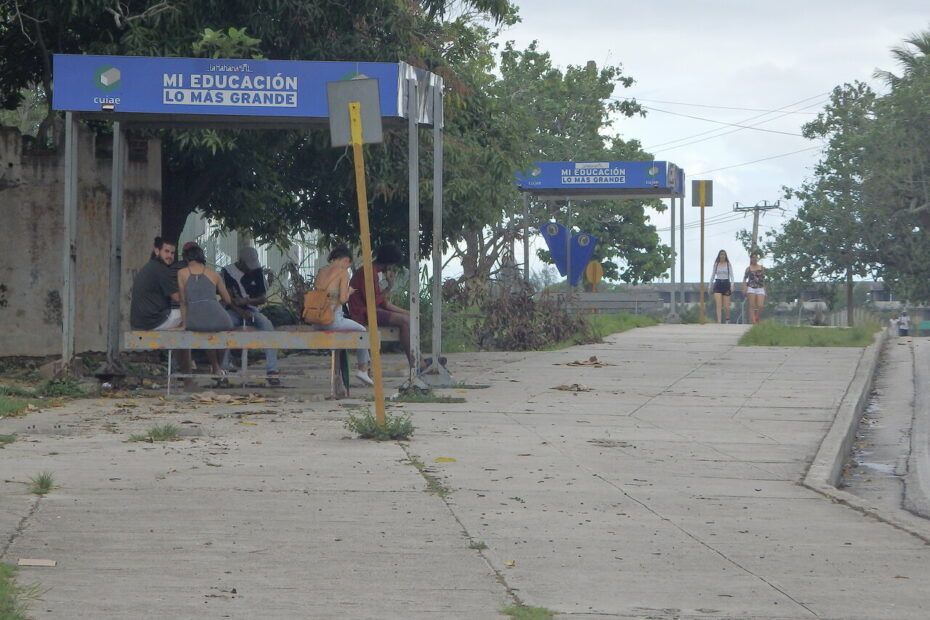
[271, 378]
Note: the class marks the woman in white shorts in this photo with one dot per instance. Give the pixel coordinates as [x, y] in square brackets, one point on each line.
[754, 281]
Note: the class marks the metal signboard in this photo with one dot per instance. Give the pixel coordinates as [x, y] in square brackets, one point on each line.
[209, 86]
[579, 178]
[365, 93]
[702, 193]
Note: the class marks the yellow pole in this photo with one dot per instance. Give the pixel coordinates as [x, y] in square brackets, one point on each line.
[701, 199]
[355, 121]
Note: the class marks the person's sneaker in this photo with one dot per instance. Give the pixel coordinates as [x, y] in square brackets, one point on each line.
[362, 376]
[272, 378]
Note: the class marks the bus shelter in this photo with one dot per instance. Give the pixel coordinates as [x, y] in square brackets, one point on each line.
[567, 181]
[135, 92]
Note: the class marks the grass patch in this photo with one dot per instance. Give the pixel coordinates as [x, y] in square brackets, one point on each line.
[164, 432]
[366, 426]
[13, 598]
[601, 325]
[607, 324]
[12, 406]
[772, 334]
[16, 391]
[5, 439]
[433, 484]
[477, 545]
[61, 387]
[524, 612]
[42, 484]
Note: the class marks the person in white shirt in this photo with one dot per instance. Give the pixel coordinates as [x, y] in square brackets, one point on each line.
[904, 324]
[721, 278]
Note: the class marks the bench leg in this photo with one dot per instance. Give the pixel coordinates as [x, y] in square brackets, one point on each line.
[168, 394]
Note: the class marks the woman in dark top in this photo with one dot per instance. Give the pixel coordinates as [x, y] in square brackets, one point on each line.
[754, 282]
[200, 310]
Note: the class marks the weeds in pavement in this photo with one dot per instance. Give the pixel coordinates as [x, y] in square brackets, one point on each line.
[366, 426]
[425, 397]
[61, 387]
[433, 484]
[5, 439]
[477, 545]
[14, 598]
[164, 432]
[42, 483]
[523, 612]
[772, 334]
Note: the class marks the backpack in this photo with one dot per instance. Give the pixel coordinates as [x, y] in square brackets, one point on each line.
[318, 308]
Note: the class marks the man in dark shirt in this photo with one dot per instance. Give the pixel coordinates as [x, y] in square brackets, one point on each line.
[246, 285]
[155, 296]
[154, 289]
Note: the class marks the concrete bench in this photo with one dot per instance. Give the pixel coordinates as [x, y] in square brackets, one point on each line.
[299, 337]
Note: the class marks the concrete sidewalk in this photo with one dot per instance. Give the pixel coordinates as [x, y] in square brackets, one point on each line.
[668, 490]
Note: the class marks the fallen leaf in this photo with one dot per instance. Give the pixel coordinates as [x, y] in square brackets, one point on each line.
[510, 563]
[444, 459]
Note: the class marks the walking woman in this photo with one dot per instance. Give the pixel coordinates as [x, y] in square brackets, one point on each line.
[200, 311]
[722, 277]
[754, 283]
[334, 279]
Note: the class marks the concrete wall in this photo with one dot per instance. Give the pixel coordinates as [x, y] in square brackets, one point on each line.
[31, 239]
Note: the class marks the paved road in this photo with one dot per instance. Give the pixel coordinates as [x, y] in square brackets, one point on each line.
[668, 490]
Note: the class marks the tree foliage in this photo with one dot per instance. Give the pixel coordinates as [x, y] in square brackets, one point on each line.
[866, 209]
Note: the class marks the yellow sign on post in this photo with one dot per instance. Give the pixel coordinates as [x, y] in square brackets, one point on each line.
[702, 195]
[594, 273]
[360, 99]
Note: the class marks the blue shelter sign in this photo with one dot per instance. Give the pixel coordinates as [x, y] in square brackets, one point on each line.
[603, 178]
[207, 86]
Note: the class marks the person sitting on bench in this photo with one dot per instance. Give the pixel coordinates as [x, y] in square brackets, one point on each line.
[200, 311]
[155, 292]
[246, 285]
[388, 314]
[334, 279]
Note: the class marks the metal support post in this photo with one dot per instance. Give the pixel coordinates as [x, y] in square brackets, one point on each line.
[437, 375]
[681, 247]
[72, 140]
[674, 307]
[526, 238]
[114, 309]
[413, 187]
[568, 248]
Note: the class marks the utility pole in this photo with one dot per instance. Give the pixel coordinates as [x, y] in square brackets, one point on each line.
[756, 209]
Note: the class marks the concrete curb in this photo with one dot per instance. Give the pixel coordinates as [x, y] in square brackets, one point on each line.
[827, 466]
[917, 479]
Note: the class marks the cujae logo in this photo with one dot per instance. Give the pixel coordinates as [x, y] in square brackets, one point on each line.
[107, 78]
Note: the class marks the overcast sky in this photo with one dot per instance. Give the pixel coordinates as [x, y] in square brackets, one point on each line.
[735, 53]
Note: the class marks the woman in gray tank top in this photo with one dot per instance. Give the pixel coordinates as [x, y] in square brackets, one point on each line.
[198, 286]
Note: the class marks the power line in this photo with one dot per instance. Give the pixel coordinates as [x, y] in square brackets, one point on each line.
[726, 133]
[745, 120]
[715, 107]
[755, 161]
[710, 120]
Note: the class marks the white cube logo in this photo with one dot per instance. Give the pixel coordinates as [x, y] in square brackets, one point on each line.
[110, 77]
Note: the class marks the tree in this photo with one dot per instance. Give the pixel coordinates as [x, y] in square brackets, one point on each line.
[828, 237]
[535, 111]
[271, 183]
[897, 184]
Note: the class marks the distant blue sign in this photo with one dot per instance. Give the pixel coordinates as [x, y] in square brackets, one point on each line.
[586, 177]
[555, 235]
[279, 88]
[580, 248]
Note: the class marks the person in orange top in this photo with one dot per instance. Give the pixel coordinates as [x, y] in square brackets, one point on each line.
[386, 259]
